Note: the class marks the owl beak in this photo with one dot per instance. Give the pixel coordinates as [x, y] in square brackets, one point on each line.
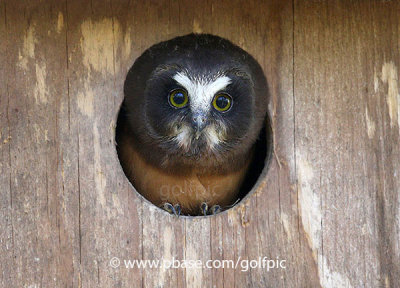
[199, 122]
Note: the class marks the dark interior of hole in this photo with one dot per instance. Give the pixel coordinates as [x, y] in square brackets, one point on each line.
[263, 152]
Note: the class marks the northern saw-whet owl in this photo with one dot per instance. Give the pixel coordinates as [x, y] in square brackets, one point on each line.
[193, 110]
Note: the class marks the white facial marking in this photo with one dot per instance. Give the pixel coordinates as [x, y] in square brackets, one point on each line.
[200, 91]
[183, 137]
[212, 137]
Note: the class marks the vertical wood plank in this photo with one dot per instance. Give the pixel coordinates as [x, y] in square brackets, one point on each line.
[110, 216]
[6, 216]
[67, 171]
[387, 181]
[346, 139]
[36, 79]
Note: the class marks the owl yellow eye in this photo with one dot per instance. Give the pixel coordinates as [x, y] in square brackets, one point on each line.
[222, 102]
[178, 98]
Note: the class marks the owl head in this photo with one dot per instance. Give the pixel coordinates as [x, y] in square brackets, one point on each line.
[195, 100]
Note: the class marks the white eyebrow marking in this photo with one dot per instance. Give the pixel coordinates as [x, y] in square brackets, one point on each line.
[200, 91]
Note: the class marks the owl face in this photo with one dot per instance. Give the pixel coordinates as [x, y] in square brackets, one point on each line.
[195, 101]
[196, 109]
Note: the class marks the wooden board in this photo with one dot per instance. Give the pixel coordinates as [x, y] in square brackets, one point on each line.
[329, 205]
[347, 139]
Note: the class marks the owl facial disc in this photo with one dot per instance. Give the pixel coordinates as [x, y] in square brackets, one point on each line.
[201, 91]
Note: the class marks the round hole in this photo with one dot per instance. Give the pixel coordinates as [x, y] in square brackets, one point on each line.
[177, 162]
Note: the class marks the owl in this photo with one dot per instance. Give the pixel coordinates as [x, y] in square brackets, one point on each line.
[194, 107]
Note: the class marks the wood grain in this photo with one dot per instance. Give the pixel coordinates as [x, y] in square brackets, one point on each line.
[347, 150]
[6, 213]
[329, 204]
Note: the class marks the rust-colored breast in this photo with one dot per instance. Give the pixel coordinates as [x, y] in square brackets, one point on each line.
[159, 186]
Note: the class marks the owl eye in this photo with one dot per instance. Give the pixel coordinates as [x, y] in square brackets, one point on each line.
[222, 102]
[178, 98]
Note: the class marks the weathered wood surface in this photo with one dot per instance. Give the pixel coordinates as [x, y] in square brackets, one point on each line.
[329, 204]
